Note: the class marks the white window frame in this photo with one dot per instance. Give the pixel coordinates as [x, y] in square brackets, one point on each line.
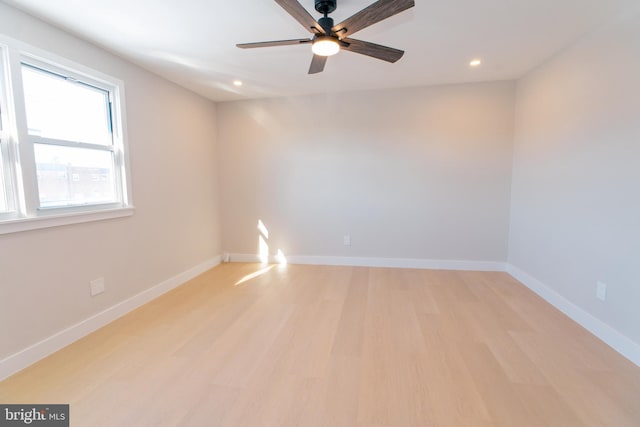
[7, 163]
[18, 159]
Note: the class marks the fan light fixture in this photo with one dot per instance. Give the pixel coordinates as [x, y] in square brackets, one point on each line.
[328, 38]
[325, 46]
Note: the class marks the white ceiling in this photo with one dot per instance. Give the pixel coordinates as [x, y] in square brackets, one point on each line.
[192, 42]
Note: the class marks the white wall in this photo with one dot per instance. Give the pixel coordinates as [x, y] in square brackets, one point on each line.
[44, 274]
[419, 173]
[575, 214]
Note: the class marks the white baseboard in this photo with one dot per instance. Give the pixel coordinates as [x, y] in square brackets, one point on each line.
[620, 343]
[248, 258]
[380, 262]
[18, 361]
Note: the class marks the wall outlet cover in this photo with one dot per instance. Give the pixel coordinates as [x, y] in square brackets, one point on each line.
[601, 291]
[96, 286]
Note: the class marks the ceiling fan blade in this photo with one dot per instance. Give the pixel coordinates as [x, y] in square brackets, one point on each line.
[301, 15]
[374, 13]
[377, 51]
[317, 64]
[273, 43]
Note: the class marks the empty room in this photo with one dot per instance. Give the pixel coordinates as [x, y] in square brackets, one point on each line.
[320, 213]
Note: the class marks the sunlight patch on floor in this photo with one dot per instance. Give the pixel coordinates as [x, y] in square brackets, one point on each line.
[254, 275]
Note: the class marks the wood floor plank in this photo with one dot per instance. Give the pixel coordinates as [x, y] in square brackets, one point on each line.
[315, 346]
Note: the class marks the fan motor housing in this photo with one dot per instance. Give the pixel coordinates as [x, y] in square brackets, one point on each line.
[326, 6]
[326, 23]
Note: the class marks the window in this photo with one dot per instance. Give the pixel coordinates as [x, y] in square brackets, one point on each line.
[62, 148]
[69, 124]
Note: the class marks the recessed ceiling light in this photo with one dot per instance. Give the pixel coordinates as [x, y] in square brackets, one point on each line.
[237, 82]
[475, 63]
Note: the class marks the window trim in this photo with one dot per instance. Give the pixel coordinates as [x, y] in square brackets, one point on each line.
[58, 219]
[7, 158]
[18, 145]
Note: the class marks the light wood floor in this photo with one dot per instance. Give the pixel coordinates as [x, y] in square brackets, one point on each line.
[339, 346]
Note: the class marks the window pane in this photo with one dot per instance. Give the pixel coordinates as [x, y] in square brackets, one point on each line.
[58, 108]
[74, 176]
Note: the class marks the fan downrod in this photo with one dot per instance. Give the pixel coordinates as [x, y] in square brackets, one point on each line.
[326, 6]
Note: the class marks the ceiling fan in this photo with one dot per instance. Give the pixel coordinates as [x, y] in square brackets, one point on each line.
[329, 39]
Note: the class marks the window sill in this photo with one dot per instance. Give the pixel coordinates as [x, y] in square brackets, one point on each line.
[34, 223]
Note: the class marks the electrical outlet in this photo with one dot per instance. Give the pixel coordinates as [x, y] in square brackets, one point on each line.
[96, 287]
[347, 240]
[601, 291]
